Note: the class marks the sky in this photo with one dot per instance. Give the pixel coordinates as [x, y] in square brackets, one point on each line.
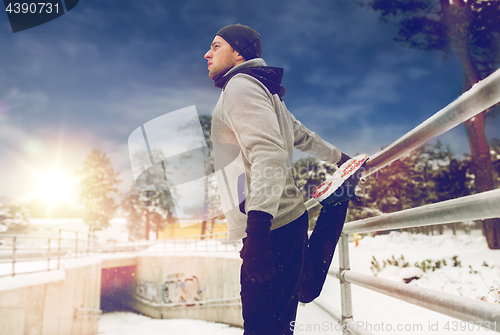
[91, 77]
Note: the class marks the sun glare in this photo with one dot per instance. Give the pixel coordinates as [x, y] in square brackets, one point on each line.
[55, 187]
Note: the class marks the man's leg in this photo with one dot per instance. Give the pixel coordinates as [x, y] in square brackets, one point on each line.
[270, 307]
[320, 249]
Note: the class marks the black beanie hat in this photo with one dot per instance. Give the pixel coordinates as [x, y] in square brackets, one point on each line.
[243, 39]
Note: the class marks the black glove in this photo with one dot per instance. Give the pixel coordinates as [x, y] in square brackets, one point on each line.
[344, 158]
[256, 252]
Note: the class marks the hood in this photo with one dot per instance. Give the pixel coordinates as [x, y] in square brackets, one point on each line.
[269, 76]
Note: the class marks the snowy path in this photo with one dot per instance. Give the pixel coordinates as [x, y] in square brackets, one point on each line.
[126, 323]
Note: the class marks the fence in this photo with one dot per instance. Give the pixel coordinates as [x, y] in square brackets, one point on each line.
[33, 250]
[41, 254]
[481, 206]
[216, 242]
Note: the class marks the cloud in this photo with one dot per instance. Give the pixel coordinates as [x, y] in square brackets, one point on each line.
[377, 86]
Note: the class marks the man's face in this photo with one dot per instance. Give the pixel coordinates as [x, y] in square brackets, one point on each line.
[221, 58]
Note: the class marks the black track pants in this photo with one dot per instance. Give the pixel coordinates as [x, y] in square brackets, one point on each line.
[268, 308]
[302, 264]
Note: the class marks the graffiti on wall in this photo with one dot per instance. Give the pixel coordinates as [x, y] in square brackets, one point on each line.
[186, 292]
[175, 290]
[147, 290]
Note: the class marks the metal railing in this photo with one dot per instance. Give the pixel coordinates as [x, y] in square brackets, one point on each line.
[17, 249]
[32, 250]
[196, 243]
[480, 206]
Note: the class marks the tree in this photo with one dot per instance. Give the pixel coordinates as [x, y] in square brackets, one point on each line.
[135, 212]
[151, 201]
[143, 207]
[98, 182]
[401, 185]
[495, 159]
[471, 29]
[13, 217]
[427, 175]
[209, 196]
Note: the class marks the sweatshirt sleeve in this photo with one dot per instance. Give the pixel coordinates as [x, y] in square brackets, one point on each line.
[249, 111]
[310, 142]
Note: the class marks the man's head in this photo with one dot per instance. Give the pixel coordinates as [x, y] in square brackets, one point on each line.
[231, 46]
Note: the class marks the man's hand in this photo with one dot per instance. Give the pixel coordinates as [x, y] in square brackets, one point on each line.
[344, 158]
[256, 252]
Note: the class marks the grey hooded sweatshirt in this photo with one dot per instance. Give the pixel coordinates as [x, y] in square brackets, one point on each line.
[251, 115]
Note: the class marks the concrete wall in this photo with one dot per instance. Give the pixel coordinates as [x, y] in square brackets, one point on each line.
[196, 286]
[52, 303]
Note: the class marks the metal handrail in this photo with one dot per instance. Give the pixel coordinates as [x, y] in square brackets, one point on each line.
[445, 303]
[480, 97]
[53, 254]
[485, 205]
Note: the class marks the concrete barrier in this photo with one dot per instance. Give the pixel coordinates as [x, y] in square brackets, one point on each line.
[195, 286]
[202, 286]
[60, 302]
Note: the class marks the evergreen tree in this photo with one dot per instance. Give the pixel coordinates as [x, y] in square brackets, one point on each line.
[98, 182]
[135, 211]
[13, 217]
[495, 159]
[146, 208]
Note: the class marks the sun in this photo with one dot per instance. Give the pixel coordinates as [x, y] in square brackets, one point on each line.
[55, 187]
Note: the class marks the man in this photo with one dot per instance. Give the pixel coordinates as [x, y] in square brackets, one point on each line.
[280, 264]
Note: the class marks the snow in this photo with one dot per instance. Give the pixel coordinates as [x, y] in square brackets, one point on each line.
[24, 279]
[378, 312]
[124, 323]
[12, 283]
[476, 278]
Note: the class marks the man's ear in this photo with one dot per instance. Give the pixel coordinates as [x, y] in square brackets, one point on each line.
[240, 58]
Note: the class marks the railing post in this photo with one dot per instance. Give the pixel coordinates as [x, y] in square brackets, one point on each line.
[48, 257]
[345, 287]
[14, 241]
[76, 244]
[59, 251]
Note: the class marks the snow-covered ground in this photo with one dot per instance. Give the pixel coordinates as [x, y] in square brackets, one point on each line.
[385, 315]
[473, 273]
[477, 277]
[124, 323]
[378, 313]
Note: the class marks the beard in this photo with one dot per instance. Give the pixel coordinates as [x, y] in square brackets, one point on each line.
[219, 71]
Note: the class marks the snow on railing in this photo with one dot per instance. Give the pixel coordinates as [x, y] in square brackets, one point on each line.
[480, 206]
